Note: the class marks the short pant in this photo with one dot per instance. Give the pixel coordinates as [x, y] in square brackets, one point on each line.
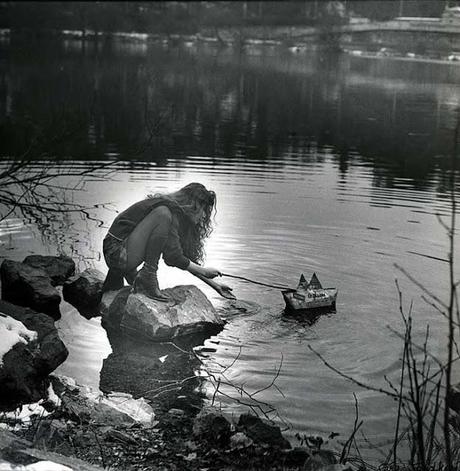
[115, 252]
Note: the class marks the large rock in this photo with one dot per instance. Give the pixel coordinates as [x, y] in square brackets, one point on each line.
[112, 307]
[59, 269]
[84, 292]
[29, 287]
[25, 367]
[85, 405]
[262, 431]
[188, 312]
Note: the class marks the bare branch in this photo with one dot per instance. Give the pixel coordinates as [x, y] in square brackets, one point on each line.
[417, 283]
[353, 380]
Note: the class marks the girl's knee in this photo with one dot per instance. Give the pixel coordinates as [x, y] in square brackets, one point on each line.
[163, 220]
[163, 214]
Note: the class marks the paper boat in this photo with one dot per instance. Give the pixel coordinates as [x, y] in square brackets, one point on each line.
[309, 295]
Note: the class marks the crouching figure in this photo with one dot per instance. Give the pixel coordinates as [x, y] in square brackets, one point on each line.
[172, 225]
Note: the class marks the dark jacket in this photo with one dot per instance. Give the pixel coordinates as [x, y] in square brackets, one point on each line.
[127, 220]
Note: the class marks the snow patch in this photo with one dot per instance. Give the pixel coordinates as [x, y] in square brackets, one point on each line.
[23, 416]
[38, 466]
[11, 333]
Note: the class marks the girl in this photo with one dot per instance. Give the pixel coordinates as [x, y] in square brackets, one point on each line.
[171, 225]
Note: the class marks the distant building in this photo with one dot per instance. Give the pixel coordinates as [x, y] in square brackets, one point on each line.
[451, 15]
[421, 19]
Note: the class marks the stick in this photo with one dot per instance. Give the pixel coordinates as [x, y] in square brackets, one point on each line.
[255, 282]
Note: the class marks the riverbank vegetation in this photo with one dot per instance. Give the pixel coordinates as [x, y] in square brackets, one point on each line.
[427, 425]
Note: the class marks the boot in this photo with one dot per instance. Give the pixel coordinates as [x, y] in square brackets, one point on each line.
[130, 276]
[113, 281]
[146, 283]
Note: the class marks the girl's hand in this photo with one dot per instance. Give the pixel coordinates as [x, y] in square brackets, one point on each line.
[210, 272]
[224, 290]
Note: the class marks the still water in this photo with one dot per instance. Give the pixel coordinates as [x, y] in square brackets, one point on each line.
[321, 163]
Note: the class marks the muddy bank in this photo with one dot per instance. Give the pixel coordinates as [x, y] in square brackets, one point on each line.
[172, 443]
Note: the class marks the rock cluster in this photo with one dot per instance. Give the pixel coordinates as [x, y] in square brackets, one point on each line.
[31, 305]
[28, 309]
[252, 433]
[33, 282]
[24, 369]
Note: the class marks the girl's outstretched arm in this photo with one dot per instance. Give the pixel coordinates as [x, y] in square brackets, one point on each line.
[221, 288]
[200, 271]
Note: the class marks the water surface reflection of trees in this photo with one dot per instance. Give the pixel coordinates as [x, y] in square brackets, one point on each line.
[259, 105]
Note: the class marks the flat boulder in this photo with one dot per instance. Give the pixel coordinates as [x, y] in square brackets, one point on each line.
[28, 286]
[188, 312]
[84, 292]
[30, 350]
[88, 405]
[59, 268]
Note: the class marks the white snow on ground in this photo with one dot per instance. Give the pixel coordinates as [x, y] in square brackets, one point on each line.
[23, 415]
[39, 466]
[11, 333]
[53, 398]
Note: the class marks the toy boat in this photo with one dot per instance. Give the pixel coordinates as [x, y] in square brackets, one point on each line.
[309, 295]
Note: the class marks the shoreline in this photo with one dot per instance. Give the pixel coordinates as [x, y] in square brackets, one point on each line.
[231, 40]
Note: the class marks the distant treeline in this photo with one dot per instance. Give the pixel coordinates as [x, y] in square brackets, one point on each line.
[189, 17]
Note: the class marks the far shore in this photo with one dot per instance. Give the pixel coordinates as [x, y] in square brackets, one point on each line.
[289, 39]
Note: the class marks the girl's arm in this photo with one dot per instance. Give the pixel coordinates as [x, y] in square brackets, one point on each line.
[206, 275]
[222, 289]
[200, 271]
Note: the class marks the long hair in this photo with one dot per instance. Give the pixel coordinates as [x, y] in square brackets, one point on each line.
[190, 199]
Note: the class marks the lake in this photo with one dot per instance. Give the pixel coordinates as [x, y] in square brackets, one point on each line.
[321, 163]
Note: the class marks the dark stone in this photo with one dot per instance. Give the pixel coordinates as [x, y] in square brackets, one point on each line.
[29, 287]
[262, 431]
[143, 368]
[320, 459]
[59, 269]
[213, 427]
[84, 292]
[296, 457]
[112, 307]
[25, 369]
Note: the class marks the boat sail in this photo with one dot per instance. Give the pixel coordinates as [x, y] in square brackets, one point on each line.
[309, 295]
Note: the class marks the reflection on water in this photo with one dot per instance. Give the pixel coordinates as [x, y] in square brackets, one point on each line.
[326, 164]
[200, 101]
